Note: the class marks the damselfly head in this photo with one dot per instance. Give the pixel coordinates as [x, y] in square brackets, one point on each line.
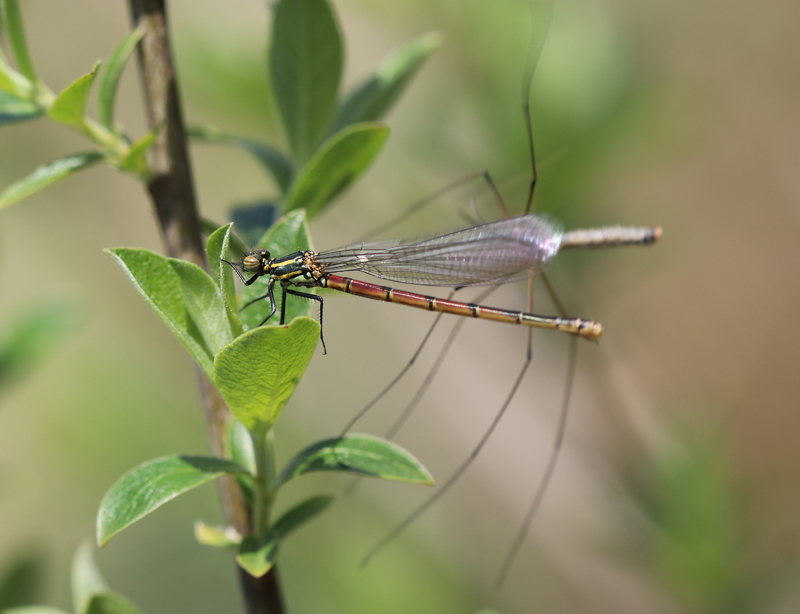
[255, 260]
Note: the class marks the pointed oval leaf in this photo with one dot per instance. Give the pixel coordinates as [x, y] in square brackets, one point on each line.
[159, 284]
[257, 557]
[135, 161]
[86, 579]
[204, 303]
[45, 175]
[364, 455]
[110, 80]
[259, 371]
[16, 36]
[217, 244]
[13, 109]
[288, 235]
[69, 105]
[300, 514]
[371, 100]
[110, 602]
[216, 537]
[277, 164]
[305, 62]
[337, 163]
[151, 485]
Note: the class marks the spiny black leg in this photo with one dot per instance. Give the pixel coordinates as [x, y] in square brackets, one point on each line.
[313, 297]
[271, 297]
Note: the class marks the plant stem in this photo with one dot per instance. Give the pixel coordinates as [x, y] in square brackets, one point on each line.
[264, 481]
[172, 192]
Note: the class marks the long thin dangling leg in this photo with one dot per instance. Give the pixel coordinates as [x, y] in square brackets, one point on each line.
[270, 294]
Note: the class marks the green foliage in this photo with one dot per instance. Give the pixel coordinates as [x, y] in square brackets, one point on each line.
[331, 143]
[21, 581]
[13, 109]
[69, 106]
[108, 84]
[371, 100]
[258, 372]
[46, 175]
[151, 485]
[306, 59]
[363, 455]
[337, 163]
[16, 36]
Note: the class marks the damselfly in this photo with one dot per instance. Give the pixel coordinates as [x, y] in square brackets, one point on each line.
[487, 254]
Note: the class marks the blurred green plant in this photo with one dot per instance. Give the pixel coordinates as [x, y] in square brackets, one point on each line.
[255, 368]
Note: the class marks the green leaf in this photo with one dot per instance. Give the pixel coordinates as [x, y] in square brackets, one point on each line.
[34, 609]
[306, 59]
[159, 284]
[240, 447]
[110, 602]
[335, 165]
[218, 244]
[16, 36]
[360, 454]
[208, 227]
[30, 337]
[277, 164]
[216, 537]
[86, 578]
[300, 514]
[110, 80]
[21, 580]
[288, 235]
[259, 371]
[151, 485]
[371, 100]
[69, 105]
[256, 556]
[135, 160]
[205, 305]
[45, 175]
[13, 109]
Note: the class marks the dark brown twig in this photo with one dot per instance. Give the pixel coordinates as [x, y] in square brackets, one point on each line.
[172, 192]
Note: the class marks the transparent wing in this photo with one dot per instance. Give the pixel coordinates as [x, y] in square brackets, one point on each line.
[488, 254]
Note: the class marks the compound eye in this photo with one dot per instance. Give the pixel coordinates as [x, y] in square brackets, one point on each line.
[251, 262]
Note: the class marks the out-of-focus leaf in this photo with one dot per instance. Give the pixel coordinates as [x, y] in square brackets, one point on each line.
[363, 455]
[277, 164]
[31, 337]
[159, 284]
[335, 165]
[34, 609]
[13, 109]
[110, 602]
[21, 580]
[259, 371]
[45, 175]
[288, 235]
[257, 557]
[300, 514]
[306, 60]
[253, 219]
[371, 100]
[216, 537]
[205, 304]
[69, 105]
[110, 80]
[86, 578]
[240, 447]
[16, 36]
[11, 82]
[151, 485]
[136, 159]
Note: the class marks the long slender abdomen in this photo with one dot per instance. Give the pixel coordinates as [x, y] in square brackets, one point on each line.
[588, 329]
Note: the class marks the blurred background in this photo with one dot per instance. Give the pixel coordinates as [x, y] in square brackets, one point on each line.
[678, 488]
